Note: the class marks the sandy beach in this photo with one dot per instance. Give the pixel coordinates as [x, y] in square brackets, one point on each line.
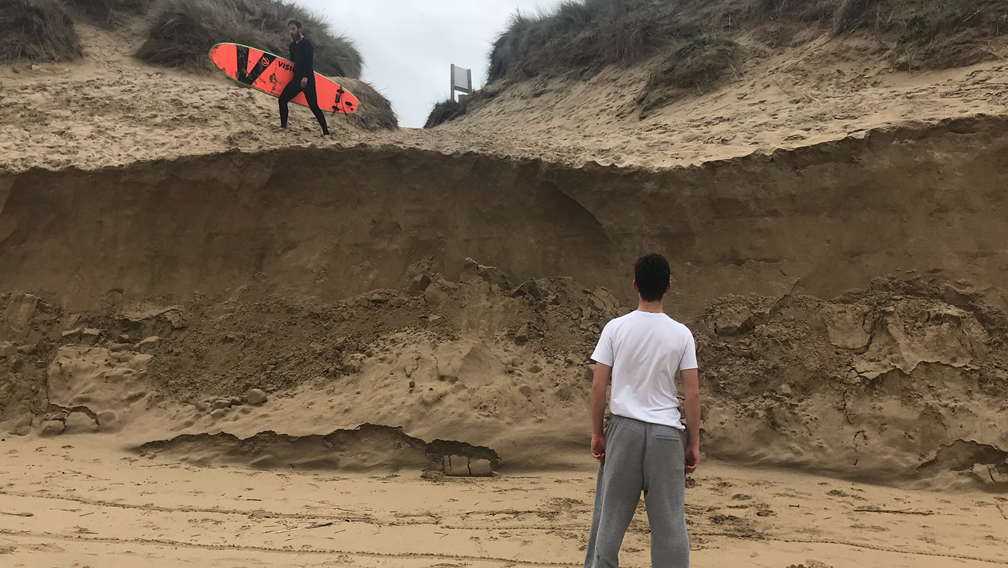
[72, 501]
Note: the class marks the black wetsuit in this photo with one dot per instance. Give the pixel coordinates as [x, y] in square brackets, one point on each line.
[302, 53]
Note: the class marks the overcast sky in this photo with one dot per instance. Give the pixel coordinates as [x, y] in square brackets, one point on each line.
[409, 45]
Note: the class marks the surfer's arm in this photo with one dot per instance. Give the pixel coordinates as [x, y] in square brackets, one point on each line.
[308, 54]
[301, 59]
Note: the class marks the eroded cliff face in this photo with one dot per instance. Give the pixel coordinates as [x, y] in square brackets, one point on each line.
[848, 298]
[332, 223]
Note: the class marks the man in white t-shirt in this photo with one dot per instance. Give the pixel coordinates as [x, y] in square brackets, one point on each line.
[645, 447]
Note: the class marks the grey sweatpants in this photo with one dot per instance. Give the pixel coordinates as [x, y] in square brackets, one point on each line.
[640, 457]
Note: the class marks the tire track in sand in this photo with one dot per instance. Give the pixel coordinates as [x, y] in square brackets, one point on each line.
[272, 550]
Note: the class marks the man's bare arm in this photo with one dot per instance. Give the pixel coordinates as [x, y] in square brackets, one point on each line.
[691, 392]
[603, 373]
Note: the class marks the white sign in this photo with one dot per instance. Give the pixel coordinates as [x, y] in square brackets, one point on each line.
[461, 80]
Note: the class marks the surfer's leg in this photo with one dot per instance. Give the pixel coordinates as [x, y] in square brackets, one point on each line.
[288, 94]
[312, 97]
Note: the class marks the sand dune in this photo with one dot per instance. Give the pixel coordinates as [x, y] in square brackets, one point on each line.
[221, 344]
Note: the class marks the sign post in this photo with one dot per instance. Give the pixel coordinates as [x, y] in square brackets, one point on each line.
[461, 81]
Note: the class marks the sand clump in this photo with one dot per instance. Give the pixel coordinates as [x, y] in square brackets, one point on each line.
[24, 351]
[365, 448]
[256, 397]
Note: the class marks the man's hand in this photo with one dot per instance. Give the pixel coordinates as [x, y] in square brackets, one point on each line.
[598, 447]
[304, 82]
[691, 390]
[692, 458]
[600, 382]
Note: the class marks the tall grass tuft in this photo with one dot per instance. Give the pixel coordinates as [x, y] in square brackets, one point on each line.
[37, 30]
[111, 12]
[692, 67]
[375, 111]
[181, 32]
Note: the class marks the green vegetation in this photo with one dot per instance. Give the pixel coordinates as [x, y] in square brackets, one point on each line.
[36, 30]
[181, 33]
[924, 21]
[375, 111]
[586, 36]
[447, 109]
[443, 112]
[851, 14]
[694, 66]
[928, 34]
[111, 12]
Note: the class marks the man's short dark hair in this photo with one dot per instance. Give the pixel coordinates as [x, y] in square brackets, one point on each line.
[296, 23]
[652, 275]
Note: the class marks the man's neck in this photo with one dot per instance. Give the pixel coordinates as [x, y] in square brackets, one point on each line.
[298, 40]
[650, 307]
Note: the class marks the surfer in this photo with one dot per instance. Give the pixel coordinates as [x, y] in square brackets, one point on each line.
[302, 53]
[646, 446]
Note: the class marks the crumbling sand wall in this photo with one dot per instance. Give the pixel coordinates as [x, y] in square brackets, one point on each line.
[334, 223]
[345, 273]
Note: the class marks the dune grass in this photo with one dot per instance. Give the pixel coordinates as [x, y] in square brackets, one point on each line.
[928, 34]
[448, 110]
[181, 32]
[375, 110]
[444, 111]
[111, 12]
[587, 35]
[850, 15]
[923, 21]
[695, 66]
[37, 30]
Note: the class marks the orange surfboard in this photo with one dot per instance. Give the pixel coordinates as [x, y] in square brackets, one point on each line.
[270, 74]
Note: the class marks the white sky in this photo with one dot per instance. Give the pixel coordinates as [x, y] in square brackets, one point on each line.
[409, 46]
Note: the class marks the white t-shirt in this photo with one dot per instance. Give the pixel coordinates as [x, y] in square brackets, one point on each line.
[645, 351]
